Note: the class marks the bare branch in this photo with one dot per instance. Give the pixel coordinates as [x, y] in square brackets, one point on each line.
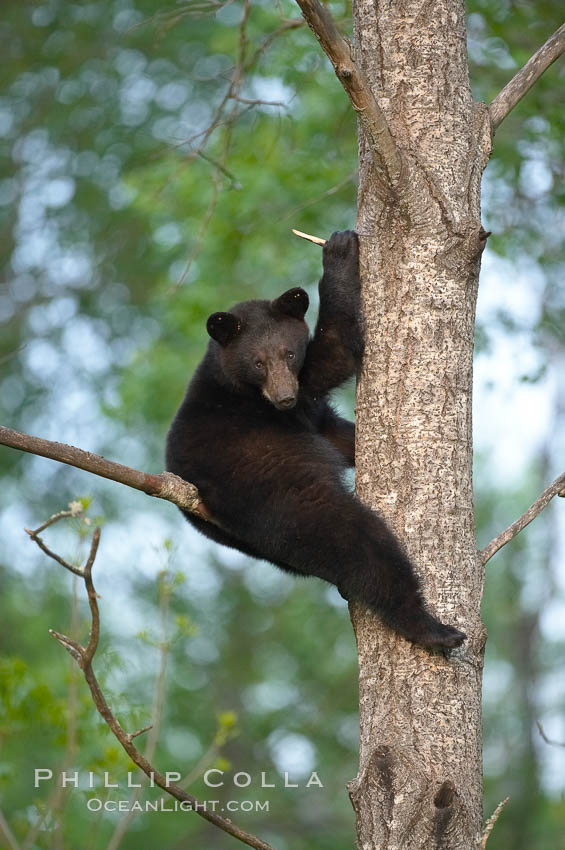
[325, 194]
[7, 832]
[88, 654]
[386, 155]
[315, 239]
[555, 489]
[491, 822]
[546, 739]
[286, 26]
[164, 486]
[132, 735]
[520, 85]
[74, 510]
[154, 727]
[73, 648]
[58, 800]
[258, 102]
[33, 536]
[84, 656]
[199, 241]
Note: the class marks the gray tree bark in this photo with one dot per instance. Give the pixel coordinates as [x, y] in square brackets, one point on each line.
[419, 782]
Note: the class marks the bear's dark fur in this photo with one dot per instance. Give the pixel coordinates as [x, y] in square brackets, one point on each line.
[256, 435]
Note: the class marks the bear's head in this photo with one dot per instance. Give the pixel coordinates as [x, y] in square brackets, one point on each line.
[262, 345]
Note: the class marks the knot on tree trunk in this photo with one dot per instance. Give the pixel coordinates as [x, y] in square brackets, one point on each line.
[407, 804]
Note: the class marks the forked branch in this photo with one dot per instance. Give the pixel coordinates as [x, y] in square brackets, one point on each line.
[520, 85]
[555, 489]
[163, 486]
[84, 655]
[386, 155]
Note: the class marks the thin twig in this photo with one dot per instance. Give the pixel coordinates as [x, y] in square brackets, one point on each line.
[164, 486]
[132, 735]
[156, 712]
[327, 193]
[489, 826]
[555, 489]
[167, 20]
[84, 656]
[205, 761]
[56, 798]
[199, 241]
[199, 768]
[8, 834]
[231, 94]
[386, 155]
[39, 824]
[546, 739]
[286, 26]
[520, 85]
[75, 510]
[61, 796]
[10, 354]
[33, 536]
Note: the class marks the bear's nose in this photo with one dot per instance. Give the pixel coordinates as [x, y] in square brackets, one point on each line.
[287, 402]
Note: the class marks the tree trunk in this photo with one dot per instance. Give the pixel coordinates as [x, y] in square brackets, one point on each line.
[419, 781]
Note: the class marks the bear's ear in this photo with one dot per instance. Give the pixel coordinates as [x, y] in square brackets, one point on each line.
[293, 303]
[223, 327]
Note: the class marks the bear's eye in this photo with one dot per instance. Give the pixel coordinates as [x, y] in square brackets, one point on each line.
[258, 364]
[290, 355]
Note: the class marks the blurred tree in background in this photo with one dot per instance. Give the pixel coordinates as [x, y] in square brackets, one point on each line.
[155, 158]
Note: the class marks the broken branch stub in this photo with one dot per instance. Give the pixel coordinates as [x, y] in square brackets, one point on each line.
[315, 239]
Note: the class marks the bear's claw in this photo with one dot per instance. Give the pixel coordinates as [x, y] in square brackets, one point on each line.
[443, 637]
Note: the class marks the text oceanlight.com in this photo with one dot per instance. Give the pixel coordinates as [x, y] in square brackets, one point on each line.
[95, 804]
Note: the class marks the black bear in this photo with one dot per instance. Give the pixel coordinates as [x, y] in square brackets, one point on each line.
[257, 436]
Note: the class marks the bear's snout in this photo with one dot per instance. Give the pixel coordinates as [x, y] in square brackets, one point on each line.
[281, 387]
[286, 403]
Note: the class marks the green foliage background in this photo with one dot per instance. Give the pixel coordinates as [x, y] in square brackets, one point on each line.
[119, 235]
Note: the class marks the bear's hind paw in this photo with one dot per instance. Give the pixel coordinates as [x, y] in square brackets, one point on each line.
[442, 637]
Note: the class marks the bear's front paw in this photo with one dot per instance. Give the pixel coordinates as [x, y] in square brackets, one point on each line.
[341, 245]
[341, 257]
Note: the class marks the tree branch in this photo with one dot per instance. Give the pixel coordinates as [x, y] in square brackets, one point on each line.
[386, 155]
[555, 489]
[546, 739]
[489, 826]
[44, 548]
[8, 834]
[520, 85]
[315, 239]
[76, 510]
[163, 486]
[165, 593]
[84, 656]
